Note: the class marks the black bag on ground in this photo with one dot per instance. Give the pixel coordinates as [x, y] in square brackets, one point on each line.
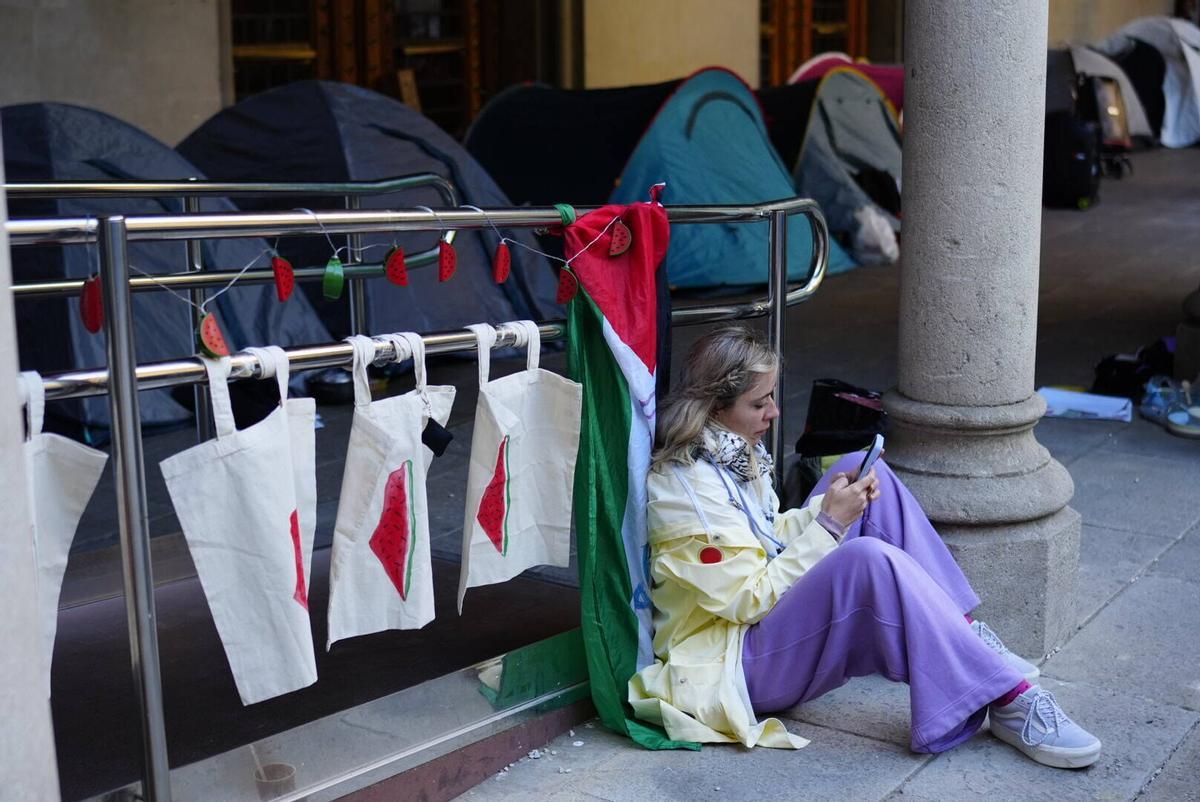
[1071, 176]
[841, 418]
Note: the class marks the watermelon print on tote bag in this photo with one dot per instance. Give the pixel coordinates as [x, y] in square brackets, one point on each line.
[380, 574]
[236, 500]
[521, 477]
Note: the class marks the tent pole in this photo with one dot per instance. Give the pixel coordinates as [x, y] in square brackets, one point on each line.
[132, 519]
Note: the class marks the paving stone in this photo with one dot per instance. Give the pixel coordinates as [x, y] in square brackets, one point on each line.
[836, 765]
[1069, 439]
[1178, 780]
[1108, 559]
[1143, 437]
[1138, 735]
[871, 707]
[1145, 638]
[1137, 493]
[1182, 560]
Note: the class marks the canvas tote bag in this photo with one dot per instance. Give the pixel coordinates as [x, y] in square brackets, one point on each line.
[381, 575]
[60, 477]
[522, 472]
[236, 500]
[302, 437]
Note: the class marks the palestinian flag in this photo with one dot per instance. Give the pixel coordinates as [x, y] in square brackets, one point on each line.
[617, 333]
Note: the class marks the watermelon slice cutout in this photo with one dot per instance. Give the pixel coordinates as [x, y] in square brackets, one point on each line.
[496, 502]
[301, 594]
[211, 340]
[394, 539]
[285, 277]
[502, 264]
[568, 286]
[395, 267]
[447, 260]
[91, 304]
[622, 238]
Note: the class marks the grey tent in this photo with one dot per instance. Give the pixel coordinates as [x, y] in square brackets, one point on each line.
[1092, 62]
[326, 131]
[54, 141]
[842, 137]
[1179, 43]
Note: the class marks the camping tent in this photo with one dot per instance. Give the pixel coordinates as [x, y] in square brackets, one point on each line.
[544, 145]
[54, 141]
[1178, 41]
[842, 136]
[1091, 62]
[889, 77]
[709, 144]
[326, 131]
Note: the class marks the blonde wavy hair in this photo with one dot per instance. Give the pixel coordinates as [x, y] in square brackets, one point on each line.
[720, 366]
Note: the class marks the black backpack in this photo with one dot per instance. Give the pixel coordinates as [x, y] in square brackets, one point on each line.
[1071, 172]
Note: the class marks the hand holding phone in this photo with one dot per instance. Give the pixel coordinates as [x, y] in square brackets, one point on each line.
[873, 452]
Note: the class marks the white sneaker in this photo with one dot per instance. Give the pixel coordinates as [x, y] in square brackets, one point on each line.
[985, 633]
[1036, 725]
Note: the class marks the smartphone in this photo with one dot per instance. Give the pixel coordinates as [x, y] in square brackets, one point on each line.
[873, 453]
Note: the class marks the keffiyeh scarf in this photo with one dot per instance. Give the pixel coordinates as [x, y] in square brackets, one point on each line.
[731, 451]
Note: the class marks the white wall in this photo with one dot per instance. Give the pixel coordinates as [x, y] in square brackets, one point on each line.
[28, 770]
[647, 41]
[152, 63]
[1083, 21]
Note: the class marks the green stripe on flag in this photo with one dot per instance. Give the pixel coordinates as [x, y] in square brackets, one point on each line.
[609, 626]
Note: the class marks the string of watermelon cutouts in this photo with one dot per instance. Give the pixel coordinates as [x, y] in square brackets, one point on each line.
[203, 304]
[504, 239]
[349, 249]
[200, 306]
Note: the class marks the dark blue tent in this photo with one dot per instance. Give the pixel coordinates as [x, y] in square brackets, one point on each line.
[326, 131]
[710, 145]
[54, 141]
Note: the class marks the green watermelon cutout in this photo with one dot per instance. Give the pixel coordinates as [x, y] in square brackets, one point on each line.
[301, 594]
[494, 506]
[394, 537]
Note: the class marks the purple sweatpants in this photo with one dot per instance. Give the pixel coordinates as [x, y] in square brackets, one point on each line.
[889, 600]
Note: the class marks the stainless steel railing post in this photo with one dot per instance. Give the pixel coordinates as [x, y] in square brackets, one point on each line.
[132, 519]
[195, 264]
[777, 299]
[358, 291]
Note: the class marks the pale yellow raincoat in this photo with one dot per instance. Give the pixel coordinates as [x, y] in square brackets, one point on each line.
[696, 689]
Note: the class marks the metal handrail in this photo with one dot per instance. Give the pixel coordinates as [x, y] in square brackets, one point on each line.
[124, 377]
[276, 224]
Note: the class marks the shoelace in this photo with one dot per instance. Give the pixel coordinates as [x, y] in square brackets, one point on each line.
[991, 638]
[1048, 715]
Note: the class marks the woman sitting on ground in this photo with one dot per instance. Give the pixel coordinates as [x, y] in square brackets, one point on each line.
[757, 610]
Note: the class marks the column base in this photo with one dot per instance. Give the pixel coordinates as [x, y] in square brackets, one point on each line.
[1025, 575]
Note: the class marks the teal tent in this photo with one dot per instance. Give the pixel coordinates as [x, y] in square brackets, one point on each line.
[709, 144]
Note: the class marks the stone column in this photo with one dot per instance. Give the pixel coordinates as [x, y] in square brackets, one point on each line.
[964, 410]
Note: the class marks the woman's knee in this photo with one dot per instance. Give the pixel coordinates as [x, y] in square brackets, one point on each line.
[866, 550]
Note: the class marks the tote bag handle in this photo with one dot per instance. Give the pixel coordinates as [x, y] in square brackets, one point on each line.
[526, 335]
[409, 344]
[218, 390]
[274, 362]
[485, 338]
[364, 355]
[33, 395]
